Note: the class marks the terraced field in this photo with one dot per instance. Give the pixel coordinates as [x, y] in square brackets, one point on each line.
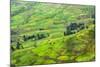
[48, 33]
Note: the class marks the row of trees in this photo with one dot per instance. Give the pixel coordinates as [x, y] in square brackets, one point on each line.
[74, 27]
[34, 37]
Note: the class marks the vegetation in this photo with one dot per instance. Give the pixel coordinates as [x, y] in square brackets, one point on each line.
[47, 33]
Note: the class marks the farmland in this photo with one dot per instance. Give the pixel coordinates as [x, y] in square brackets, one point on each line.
[51, 33]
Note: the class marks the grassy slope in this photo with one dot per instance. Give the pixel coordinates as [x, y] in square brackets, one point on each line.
[56, 48]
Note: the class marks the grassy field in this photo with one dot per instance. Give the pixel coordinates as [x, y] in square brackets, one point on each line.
[48, 33]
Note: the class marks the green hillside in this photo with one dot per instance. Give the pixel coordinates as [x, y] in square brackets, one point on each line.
[48, 33]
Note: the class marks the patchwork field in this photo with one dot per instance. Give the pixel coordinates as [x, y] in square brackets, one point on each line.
[48, 33]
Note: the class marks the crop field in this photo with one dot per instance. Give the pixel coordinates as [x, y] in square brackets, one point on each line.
[51, 33]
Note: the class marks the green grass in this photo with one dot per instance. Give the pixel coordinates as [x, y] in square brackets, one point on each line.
[52, 19]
